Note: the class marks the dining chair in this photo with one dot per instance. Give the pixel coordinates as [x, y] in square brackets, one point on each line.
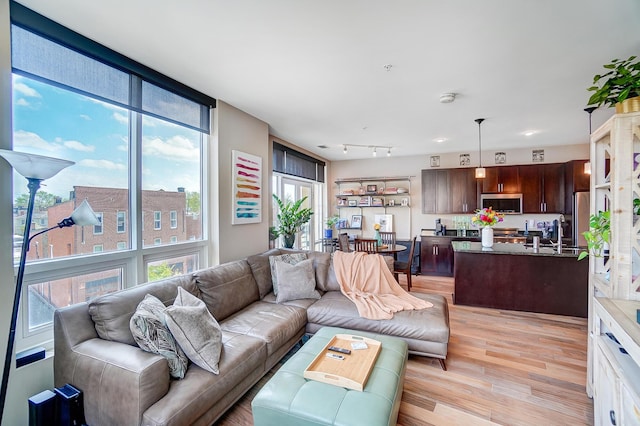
[366, 245]
[405, 267]
[343, 243]
[388, 238]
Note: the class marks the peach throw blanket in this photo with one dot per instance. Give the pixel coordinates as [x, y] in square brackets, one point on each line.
[367, 281]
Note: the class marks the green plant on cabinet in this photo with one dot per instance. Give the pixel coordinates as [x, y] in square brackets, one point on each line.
[622, 82]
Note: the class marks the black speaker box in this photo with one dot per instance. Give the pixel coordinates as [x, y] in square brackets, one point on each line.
[69, 406]
[42, 409]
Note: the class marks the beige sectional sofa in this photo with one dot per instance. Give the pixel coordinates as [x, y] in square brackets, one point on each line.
[95, 350]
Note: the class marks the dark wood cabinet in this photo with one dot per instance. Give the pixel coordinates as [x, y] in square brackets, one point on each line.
[542, 187]
[436, 256]
[501, 179]
[576, 179]
[435, 192]
[464, 190]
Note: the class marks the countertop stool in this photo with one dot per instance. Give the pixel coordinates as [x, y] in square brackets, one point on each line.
[290, 399]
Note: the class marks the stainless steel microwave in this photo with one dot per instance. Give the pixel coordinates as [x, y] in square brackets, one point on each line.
[502, 203]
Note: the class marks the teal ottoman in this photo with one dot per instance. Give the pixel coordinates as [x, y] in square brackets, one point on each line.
[290, 399]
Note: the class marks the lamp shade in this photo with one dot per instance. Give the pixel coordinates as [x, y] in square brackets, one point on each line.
[34, 166]
[84, 215]
[481, 173]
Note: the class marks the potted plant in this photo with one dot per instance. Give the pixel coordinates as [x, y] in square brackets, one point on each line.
[619, 83]
[598, 234]
[291, 216]
[330, 222]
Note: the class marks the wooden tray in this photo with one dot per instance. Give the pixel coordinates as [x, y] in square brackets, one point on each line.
[353, 371]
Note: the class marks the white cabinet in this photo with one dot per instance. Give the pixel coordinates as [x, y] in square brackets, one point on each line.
[613, 359]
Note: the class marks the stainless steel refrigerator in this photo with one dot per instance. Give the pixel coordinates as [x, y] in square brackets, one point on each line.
[581, 215]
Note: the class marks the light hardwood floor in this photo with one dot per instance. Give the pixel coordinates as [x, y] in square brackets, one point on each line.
[503, 367]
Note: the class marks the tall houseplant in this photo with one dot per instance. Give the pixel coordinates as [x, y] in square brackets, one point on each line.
[598, 234]
[291, 216]
[619, 83]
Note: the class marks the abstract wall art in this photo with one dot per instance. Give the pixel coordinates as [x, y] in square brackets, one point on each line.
[247, 188]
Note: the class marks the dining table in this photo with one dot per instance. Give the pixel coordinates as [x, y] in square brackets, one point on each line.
[392, 249]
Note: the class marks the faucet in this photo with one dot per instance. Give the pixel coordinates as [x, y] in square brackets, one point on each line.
[559, 239]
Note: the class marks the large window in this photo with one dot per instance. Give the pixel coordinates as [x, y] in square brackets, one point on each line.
[138, 141]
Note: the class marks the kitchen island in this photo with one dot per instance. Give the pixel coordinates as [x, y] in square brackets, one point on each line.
[517, 277]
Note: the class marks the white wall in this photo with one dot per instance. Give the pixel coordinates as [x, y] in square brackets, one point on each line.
[412, 166]
[235, 129]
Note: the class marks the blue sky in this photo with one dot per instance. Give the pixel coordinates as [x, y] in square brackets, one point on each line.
[57, 123]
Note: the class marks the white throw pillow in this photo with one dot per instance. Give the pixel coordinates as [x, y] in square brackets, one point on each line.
[196, 330]
[151, 333]
[296, 281]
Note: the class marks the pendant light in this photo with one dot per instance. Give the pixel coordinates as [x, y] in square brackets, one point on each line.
[481, 172]
[587, 165]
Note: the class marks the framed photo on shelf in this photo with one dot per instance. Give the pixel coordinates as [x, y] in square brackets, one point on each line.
[342, 202]
[353, 203]
[342, 224]
[385, 221]
[356, 221]
[372, 188]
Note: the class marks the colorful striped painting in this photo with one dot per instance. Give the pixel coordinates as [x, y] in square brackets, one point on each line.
[247, 188]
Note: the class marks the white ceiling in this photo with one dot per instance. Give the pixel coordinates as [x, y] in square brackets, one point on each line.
[314, 70]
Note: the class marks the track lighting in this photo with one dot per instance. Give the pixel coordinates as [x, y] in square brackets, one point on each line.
[373, 147]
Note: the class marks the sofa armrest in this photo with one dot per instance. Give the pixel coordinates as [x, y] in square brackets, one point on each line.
[119, 381]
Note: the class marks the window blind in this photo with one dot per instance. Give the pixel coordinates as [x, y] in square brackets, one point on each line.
[45, 50]
[291, 162]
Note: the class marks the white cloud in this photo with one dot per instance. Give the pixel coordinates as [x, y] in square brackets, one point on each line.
[22, 102]
[79, 146]
[175, 148]
[26, 90]
[102, 164]
[121, 118]
[85, 117]
[30, 139]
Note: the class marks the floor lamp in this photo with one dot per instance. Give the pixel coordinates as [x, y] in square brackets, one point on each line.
[35, 168]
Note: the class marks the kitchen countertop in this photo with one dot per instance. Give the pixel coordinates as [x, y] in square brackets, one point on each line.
[512, 249]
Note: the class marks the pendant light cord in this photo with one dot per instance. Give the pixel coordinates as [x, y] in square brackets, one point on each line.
[479, 121]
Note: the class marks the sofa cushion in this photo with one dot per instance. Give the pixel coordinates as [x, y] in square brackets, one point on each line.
[151, 333]
[201, 396]
[112, 312]
[227, 288]
[195, 330]
[296, 281]
[321, 264]
[290, 258]
[261, 270]
[432, 324]
[269, 322]
[331, 283]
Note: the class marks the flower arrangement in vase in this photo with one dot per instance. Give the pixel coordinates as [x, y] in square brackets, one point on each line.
[377, 236]
[486, 219]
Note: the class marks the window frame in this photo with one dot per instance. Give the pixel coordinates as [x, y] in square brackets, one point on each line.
[100, 216]
[122, 213]
[157, 220]
[173, 219]
[133, 260]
